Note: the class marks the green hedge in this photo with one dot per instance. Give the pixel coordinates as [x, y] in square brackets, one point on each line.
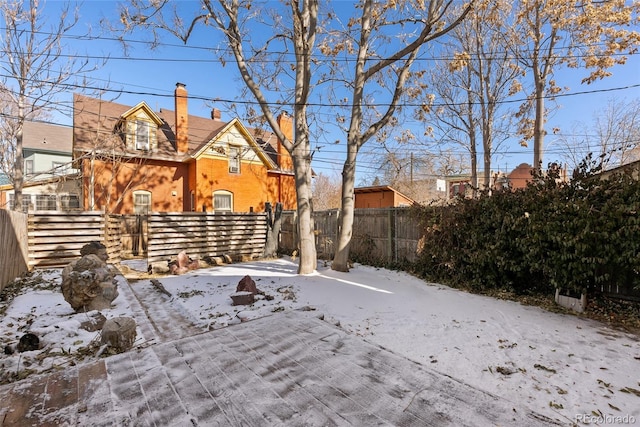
[574, 236]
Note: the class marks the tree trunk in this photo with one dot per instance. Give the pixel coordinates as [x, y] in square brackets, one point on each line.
[274, 223]
[302, 173]
[345, 221]
[18, 174]
[538, 130]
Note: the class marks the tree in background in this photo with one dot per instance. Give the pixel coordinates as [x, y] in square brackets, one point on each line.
[473, 85]
[613, 135]
[382, 44]
[573, 33]
[35, 69]
[326, 192]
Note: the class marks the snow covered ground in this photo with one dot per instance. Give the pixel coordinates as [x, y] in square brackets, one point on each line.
[563, 366]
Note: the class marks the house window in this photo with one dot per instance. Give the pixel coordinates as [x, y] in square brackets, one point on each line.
[222, 201]
[28, 167]
[46, 202]
[234, 160]
[142, 135]
[141, 202]
[69, 201]
[27, 204]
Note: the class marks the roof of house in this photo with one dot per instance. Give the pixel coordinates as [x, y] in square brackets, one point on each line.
[94, 121]
[50, 137]
[380, 188]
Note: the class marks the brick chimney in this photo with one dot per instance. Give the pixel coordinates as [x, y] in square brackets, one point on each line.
[182, 119]
[285, 121]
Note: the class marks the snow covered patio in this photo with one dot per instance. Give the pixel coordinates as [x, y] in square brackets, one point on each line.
[289, 368]
[405, 353]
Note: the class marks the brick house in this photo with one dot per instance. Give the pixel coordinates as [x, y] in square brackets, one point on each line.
[136, 160]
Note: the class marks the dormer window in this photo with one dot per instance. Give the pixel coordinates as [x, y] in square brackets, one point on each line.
[142, 135]
[138, 128]
[234, 159]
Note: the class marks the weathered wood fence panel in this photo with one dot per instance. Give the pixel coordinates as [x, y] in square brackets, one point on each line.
[55, 238]
[384, 235]
[381, 235]
[132, 231]
[326, 230]
[239, 235]
[14, 249]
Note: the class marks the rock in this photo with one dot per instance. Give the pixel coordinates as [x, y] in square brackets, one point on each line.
[247, 284]
[28, 342]
[159, 268]
[242, 298]
[88, 284]
[95, 248]
[94, 323]
[119, 333]
[182, 264]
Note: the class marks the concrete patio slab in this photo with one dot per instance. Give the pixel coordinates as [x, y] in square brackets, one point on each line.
[290, 368]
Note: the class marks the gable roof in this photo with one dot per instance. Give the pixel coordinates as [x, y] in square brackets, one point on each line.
[48, 137]
[94, 121]
[146, 109]
[236, 123]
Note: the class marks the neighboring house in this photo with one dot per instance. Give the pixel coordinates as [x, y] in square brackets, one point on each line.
[456, 185]
[381, 196]
[520, 176]
[50, 182]
[136, 160]
[632, 167]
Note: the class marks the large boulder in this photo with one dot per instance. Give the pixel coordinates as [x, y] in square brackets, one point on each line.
[88, 284]
[95, 248]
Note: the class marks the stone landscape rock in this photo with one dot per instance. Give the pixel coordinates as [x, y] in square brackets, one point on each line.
[94, 323]
[95, 248]
[119, 333]
[88, 284]
[183, 264]
[247, 284]
[28, 342]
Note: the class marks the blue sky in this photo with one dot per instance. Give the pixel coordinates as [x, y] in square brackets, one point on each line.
[151, 76]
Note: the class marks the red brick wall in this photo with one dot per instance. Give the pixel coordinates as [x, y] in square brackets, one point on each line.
[166, 181]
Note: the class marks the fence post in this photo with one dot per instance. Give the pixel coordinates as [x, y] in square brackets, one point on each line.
[391, 234]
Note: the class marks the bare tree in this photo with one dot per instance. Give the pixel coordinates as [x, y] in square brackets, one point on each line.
[473, 85]
[380, 62]
[613, 135]
[35, 70]
[573, 33]
[326, 192]
[263, 64]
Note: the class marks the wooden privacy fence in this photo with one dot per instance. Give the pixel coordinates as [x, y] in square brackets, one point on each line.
[242, 236]
[55, 238]
[381, 235]
[14, 250]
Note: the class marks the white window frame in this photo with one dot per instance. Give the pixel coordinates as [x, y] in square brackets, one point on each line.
[28, 167]
[228, 195]
[27, 202]
[69, 202]
[234, 159]
[142, 135]
[137, 206]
